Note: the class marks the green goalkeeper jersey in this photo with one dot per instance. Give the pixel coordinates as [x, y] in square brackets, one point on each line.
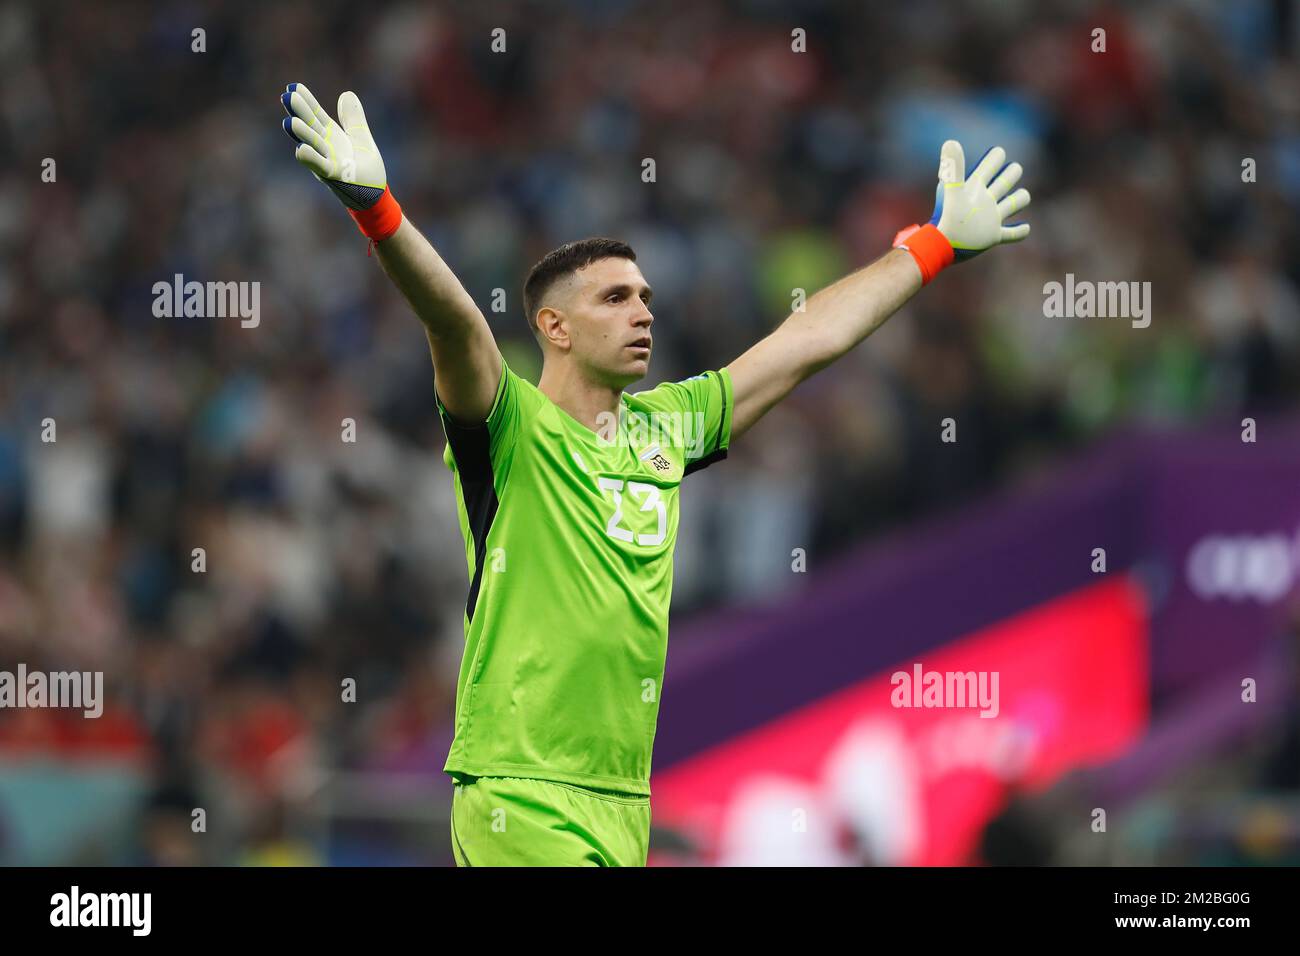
[569, 538]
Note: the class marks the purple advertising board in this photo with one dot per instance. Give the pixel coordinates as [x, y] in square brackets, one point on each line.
[1206, 521]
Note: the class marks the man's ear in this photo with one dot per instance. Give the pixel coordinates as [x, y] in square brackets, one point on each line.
[552, 326]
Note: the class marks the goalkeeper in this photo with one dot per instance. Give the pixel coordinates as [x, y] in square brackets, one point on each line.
[569, 512]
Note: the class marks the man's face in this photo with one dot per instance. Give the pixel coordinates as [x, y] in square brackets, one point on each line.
[603, 314]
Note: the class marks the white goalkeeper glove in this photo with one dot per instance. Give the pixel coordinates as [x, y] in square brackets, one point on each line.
[970, 213]
[344, 158]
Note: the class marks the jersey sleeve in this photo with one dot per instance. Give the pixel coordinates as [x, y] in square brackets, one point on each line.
[488, 446]
[705, 402]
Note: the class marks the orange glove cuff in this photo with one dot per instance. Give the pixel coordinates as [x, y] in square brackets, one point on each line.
[381, 220]
[928, 246]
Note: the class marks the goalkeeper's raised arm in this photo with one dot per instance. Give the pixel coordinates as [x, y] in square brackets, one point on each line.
[971, 215]
[466, 362]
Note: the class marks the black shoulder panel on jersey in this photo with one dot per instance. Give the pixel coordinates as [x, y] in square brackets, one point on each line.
[470, 446]
[704, 462]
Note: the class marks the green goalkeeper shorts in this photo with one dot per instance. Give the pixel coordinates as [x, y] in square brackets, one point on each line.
[513, 821]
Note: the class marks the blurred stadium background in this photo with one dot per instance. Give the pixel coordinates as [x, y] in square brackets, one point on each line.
[326, 561]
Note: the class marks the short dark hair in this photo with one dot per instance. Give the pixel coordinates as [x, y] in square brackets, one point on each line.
[560, 262]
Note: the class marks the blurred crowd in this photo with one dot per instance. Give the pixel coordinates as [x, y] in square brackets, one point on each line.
[200, 531]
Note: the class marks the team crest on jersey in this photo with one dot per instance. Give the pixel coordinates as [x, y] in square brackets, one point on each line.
[654, 457]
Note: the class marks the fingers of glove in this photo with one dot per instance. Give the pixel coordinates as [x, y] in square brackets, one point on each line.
[354, 123]
[1016, 232]
[310, 111]
[286, 97]
[287, 125]
[313, 160]
[351, 115]
[952, 163]
[296, 106]
[1005, 180]
[938, 204]
[1017, 201]
[992, 161]
[305, 134]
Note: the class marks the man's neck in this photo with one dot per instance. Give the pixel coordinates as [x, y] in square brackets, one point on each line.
[590, 403]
